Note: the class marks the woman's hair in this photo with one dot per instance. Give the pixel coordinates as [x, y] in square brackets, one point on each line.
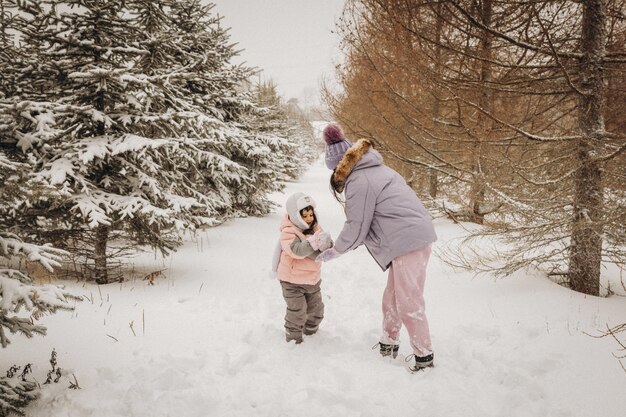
[309, 231]
[336, 188]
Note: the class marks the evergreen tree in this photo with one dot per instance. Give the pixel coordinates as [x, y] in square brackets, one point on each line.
[303, 132]
[285, 132]
[219, 89]
[134, 113]
[188, 58]
[276, 132]
[93, 143]
[18, 294]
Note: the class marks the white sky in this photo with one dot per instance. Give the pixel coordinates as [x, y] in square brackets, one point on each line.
[290, 40]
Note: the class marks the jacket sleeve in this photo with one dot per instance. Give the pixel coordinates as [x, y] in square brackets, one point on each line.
[360, 206]
[303, 248]
[285, 243]
[276, 256]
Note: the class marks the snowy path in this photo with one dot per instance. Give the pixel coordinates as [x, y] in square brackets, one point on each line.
[209, 340]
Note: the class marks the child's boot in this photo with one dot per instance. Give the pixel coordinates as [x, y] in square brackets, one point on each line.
[387, 350]
[297, 337]
[310, 330]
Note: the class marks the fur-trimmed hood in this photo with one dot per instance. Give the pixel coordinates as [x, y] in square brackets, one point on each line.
[382, 211]
[294, 204]
[356, 157]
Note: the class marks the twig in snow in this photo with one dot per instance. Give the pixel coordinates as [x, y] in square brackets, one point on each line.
[27, 369]
[612, 332]
[74, 385]
[152, 275]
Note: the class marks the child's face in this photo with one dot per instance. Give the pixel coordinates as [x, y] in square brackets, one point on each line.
[308, 216]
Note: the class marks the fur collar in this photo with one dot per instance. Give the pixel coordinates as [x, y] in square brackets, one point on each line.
[347, 163]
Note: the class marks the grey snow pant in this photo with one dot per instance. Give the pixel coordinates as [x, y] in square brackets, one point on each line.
[305, 309]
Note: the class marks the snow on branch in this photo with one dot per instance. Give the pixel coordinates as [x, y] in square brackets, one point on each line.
[17, 292]
[46, 255]
[135, 143]
[57, 172]
[38, 300]
[16, 295]
[31, 123]
[7, 164]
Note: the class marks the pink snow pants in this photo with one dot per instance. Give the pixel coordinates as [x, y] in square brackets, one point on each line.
[403, 301]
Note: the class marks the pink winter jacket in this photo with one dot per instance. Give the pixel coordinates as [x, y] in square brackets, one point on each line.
[293, 268]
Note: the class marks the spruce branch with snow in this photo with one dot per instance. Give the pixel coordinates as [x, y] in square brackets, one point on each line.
[17, 292]
[22, 302]
[18, 295]
[15, 394]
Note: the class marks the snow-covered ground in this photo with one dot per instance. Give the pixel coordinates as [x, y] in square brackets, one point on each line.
[207, 339]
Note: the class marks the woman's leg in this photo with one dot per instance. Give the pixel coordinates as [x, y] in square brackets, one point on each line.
[409, 276]
[391, 320]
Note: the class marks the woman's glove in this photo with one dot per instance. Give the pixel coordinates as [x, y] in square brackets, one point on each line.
[327, 255]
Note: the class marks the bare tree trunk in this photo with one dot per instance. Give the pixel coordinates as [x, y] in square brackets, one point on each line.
[102, 231]
[434, 178]
[587, 225]
[477, 194]
[100, 254]
[3, 34]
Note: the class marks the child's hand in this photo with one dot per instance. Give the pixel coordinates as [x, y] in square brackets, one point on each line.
[315, 241]
[325, 241]
[327, 255]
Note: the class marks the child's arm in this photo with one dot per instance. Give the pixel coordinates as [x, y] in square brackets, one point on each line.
[303, 248]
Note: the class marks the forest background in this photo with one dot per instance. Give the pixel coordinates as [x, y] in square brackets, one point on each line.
[125, 125]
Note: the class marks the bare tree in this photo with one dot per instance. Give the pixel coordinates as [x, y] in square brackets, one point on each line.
[507, 101]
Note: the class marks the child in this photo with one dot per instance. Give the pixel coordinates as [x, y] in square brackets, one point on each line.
[301, 241]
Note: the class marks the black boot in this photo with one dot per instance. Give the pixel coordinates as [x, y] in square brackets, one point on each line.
[387, 350]
[421, 362]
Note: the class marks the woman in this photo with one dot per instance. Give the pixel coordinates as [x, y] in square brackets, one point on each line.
[384, 214]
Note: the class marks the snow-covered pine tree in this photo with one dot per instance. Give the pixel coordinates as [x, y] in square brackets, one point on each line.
[17, 291]
[275, 131]
[109, 135]
[182, 43]
[21, 301]
[304, 134]
[288, 136]
[218, 87]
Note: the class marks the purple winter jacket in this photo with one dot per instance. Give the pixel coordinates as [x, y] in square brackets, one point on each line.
[382, 211]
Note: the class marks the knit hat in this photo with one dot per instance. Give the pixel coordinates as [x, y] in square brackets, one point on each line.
[336, 145]
[294, 204]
